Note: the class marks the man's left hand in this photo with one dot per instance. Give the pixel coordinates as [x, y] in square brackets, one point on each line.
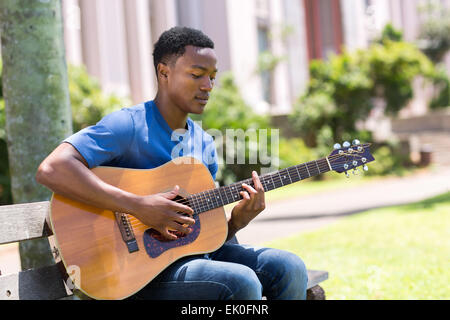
[252, 203]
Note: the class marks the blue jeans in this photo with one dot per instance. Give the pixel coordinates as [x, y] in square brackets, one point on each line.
[234, 271]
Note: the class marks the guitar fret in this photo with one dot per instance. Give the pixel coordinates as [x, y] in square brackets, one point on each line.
[196, 203]
[205, 204]
[263, 182]
[293, 175]
[273, 183]
[218, 197]
[200, 202]
[215, 198]
[282, 177]
[236, 194]
[311, 169]
[299, 176]
[289, 175]
[208, 200]
[324, 165]
[306, 166]
[193, 203]
[222, 193]
[307, 171]
[212, 199]
[228, 192]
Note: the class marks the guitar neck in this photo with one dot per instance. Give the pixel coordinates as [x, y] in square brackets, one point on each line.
[219, 197]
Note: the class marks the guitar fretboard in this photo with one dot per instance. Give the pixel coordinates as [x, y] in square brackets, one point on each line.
[219, 197]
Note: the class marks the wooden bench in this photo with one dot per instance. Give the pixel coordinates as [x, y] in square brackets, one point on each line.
[27, 221]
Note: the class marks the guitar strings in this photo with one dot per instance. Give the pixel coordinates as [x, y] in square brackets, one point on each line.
[202, 195]
[136, 223]
[275, 180]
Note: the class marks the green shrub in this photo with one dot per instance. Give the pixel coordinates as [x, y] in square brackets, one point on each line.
[388, 160]
[434, 32]
[294, 151]
[89, 104]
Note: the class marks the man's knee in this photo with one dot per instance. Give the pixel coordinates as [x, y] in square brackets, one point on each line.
[244, 285]
[296, 270]
[287, 274]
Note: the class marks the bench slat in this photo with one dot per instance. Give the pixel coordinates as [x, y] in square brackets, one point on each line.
[26, 221]
[315, 277]
[45, 283]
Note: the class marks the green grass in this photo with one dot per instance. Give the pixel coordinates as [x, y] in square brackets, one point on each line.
[401, 252]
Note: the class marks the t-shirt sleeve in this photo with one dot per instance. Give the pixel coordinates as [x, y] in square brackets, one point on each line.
[108, 139]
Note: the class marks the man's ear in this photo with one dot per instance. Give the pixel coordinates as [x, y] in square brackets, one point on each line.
[163, 70]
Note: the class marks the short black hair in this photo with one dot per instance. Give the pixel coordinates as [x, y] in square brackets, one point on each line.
[173, 42]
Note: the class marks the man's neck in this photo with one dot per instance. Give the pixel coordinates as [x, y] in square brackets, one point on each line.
[175, 118]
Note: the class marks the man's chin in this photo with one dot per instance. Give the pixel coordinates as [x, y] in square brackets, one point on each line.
[198, 109]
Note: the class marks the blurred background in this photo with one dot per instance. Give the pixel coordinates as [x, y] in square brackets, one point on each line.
[320, 71]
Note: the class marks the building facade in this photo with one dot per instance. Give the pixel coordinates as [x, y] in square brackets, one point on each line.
[114, 39]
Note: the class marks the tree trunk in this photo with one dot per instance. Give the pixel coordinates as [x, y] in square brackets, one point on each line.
[37, 105]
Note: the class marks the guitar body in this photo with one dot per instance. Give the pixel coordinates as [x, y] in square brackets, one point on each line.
[90, 239]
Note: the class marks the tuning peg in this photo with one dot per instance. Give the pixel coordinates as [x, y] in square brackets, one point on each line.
[346, 144]
[366, 168]
[356, 171]
[347, 175]
[337, 146]
[356, 142]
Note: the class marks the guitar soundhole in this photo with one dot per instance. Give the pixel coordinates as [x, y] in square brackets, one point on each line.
[158, 236]
[155, 244]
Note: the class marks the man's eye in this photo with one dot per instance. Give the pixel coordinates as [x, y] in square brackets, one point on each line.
[195, 76]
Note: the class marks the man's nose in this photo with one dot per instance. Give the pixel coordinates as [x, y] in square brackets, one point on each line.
[207, 85]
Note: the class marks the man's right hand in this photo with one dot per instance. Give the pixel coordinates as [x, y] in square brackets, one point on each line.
[161, 213]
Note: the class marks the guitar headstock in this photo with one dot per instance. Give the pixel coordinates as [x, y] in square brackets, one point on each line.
[350, 156]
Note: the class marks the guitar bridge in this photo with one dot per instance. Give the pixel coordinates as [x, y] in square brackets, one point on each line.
[126, 231]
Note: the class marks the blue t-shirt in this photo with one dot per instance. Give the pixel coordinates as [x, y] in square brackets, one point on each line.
[140, 138]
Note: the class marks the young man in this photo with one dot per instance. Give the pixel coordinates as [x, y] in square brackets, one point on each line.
[142, 137]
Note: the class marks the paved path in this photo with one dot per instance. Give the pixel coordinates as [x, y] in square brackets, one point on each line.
[305, 213]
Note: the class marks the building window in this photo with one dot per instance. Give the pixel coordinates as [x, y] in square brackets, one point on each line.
[264, 49]
[265, 73]
[324, 28]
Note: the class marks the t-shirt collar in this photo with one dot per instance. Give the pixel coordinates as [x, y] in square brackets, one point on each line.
[165, 125]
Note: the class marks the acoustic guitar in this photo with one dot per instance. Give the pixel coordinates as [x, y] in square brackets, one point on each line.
[116, 255]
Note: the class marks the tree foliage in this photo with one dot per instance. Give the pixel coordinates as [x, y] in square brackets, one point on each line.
[434, 33]
[343, 90]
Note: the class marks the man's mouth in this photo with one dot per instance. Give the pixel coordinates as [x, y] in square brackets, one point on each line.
[202, 100]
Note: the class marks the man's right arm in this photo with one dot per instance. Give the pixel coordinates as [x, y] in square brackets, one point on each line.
[66, 172]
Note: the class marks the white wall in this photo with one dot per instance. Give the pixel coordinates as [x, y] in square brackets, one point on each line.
[139, 50]
[72, 31]
[242, 30]
[354, 24]
[297, 47]
[281, 85]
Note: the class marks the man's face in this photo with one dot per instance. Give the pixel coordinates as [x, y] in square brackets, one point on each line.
[191, 78]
